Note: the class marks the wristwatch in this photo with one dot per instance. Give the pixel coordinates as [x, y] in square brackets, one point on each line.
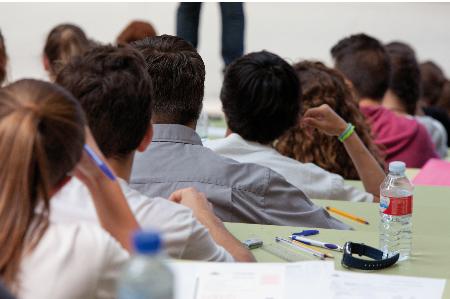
[378, 262]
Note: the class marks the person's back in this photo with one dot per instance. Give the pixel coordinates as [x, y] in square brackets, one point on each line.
[404, 91]
[365, 63]
[239, 192]
[41, 259]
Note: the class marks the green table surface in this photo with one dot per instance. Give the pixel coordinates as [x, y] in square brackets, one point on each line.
[431, 234]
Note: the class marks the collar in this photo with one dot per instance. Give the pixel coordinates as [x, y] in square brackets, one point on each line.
[176, 134]
[253, 146]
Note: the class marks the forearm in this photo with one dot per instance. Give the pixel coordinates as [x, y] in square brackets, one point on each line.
[224, 238]
[113, 211]
[370, 172]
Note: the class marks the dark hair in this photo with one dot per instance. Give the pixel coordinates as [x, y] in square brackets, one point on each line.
[114, 90]
[432, 81]
[444, 99]
[178, 76]
[260, 96]
[405, 75]
[41, 140]
[322, 85]
[64, 42]
[135, 31]
[3, 59]
[364, 61]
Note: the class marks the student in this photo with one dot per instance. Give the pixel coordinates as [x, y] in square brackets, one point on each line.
[239, 192]
[404, 92]
[322, 85]
[3, 59]
[444, 99]
[432, 81]
[365, 63]
[260, 98]
[63, 42]
[115, 92]
[42, 133]
[134, 31]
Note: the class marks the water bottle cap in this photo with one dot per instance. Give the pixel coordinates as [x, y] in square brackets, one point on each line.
[397, 167]
[146, 242]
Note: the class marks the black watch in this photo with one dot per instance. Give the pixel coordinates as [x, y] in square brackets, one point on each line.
[378, 262]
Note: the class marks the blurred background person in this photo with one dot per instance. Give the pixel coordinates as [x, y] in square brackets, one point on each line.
[63, 43]
[136, 30]
[3, 59]
[323, 85]
[233, 23]
[404, 92]
[444, 100]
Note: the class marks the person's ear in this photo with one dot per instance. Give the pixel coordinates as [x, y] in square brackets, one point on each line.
[46, 63]
[145, 143]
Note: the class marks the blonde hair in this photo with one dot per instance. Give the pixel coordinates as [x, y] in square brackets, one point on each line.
[41, 140]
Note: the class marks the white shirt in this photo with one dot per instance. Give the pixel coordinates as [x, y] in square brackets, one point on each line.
[72, 261]
[183, 236]
[314, 181]
[437, 133]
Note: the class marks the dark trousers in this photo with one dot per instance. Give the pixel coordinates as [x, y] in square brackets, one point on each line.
[188, 18]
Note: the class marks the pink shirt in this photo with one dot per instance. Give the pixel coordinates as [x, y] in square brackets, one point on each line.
[401, 138]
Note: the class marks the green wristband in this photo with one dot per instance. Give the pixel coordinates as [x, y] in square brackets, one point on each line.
[347, 133]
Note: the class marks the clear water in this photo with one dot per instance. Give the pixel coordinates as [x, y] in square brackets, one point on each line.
[396, 231]
[146, 277]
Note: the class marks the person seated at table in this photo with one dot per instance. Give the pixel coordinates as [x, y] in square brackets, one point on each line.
[3, 59]
[42, 134]
[322, 85]
[115, 92]
[64, 42]
[135, 31]
[260, 104]
[404, 92]
[365, 63]
[246, 193]
[432, 80]
[444, 99]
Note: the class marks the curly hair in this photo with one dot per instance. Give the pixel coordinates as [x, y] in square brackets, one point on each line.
[322, 85]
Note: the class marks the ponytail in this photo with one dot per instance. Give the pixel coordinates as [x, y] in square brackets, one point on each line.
[41, 138]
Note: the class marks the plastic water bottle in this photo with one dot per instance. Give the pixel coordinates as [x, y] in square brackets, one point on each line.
[396, 205]
[146, 276]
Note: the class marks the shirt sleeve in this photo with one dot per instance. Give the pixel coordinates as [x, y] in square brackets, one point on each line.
[201, 246]
[343, 191]
[114, 259]
[284, 204]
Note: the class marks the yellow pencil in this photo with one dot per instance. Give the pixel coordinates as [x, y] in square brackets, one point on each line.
[313, 248]
[347, 215]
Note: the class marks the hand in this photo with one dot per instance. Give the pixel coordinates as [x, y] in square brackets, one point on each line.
[194, 200]
[87, 170]
[325, 120]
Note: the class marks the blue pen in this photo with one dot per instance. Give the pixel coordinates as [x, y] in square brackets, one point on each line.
[317, 243]
[103, 167]
[307, 232]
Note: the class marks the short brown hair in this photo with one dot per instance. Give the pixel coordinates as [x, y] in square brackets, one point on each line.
[432, 80]
[322, 85]
[178, 76]
[115, 91]
[64, 42]
[3, 59]
[135, 31]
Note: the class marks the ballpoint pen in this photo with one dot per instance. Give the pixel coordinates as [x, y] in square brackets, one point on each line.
[102, 165]
[317, 243]
[301, 248]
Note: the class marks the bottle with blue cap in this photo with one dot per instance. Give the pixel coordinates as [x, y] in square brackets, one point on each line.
[146, 275]
[396, 206]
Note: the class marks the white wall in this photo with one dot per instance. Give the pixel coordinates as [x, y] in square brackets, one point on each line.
[293, 30]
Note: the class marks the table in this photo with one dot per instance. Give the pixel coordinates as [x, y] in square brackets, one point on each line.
[431, 234]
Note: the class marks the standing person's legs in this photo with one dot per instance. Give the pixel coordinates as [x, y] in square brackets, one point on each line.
[233, 24]
[188, 17]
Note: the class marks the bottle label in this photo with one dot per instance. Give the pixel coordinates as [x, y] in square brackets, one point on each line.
[396, 206]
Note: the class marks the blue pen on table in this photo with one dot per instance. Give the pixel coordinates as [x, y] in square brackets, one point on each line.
[102, 165]
[307, 232]
[317, 243]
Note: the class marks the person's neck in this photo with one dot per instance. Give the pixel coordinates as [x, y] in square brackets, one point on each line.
[166, 121]
[393, 103]
[367, 102]
[122, 166]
